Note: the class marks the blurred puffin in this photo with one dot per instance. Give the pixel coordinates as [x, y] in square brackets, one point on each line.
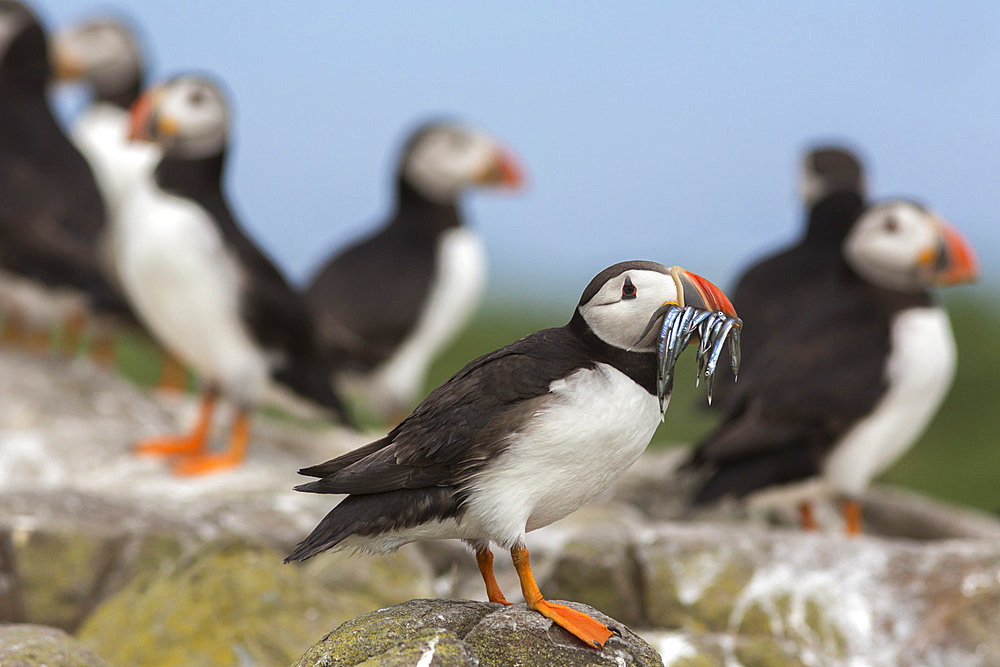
[832, 188]
[52, 218]
[423, 271]
[849, 375]
[520, 437]
[105, 54]
[202, 288]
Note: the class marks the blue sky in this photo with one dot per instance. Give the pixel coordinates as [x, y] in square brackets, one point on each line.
[665, 131]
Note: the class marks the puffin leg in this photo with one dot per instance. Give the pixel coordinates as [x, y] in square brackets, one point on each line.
[202, 462]
[40, 341]
[592, 632]
[806, 517]
[14, 332]
[73, 329]
[173, 375]
[193, 442]
[852, 517]
[484, 559]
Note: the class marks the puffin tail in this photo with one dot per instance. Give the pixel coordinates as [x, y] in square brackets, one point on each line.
[371, 516]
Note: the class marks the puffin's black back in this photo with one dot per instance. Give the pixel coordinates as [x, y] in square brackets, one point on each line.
[813, 379]
[53, 214]
[368, 298]
[275, 314]
[776, 288]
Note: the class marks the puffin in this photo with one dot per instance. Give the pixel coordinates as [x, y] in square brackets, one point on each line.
[524, 435]
[53, 215]
[105, 54]
[832, 188]
[424, 270]
[203, 289]
[849, 375]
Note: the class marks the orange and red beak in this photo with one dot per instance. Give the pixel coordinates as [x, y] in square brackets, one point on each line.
[952, 261]
[141, 116]
[504, 170]
[693, 290]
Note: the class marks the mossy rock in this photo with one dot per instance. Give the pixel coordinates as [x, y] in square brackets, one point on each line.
[37, 645]
[464, 632]
[226, 603]
[693, 588]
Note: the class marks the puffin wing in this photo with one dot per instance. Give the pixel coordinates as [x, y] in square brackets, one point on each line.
[811, 384]
[368, 298]
[459, 426]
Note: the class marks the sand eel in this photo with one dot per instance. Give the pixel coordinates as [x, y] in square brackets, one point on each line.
[423, 271]
[523, 436]
[202, 287]
[850, 376]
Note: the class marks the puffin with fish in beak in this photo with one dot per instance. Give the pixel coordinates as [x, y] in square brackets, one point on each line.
[526, 434]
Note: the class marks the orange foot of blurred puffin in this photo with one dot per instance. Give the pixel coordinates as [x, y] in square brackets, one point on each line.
[191, 444]
[203, 462]
[806, 517]
[590, 631]
[173, 375]
[852, 517]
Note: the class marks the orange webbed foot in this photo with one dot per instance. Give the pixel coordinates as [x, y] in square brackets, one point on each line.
[591, 631]
[178, 445]
[203, 464]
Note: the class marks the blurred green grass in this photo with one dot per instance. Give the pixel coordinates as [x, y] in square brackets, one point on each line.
[957, 459]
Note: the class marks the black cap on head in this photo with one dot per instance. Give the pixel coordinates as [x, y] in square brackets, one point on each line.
[830, 169]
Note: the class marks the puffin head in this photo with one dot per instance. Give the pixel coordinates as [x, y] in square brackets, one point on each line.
[620, 301]
[24, 59]
[441, 160]
[829, 169]
[901, 245]
[104, 52]
[649, 308]
[187, 116]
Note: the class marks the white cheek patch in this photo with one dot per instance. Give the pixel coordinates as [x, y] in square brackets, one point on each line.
[440, 168]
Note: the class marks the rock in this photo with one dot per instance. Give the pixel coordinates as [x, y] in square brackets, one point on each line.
[232, 602]
[866, 599]
[80, 515]
[37, 645]
[453, 633]
[654, 487]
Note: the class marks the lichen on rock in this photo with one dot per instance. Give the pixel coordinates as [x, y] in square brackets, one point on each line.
[35, 645]
[466, 633]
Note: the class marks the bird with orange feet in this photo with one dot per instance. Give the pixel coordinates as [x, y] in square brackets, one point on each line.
[202, 288]
[852, 364]
[526, 434]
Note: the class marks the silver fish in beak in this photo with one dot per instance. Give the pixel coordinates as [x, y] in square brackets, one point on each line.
[704, 310]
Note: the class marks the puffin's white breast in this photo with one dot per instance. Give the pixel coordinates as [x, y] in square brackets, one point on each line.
[595, 426]
[919, 371]
[100, 133]
[186, 287]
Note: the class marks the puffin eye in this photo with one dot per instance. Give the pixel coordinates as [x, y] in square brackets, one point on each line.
[891, 225]
[196, 96]
[628, 289]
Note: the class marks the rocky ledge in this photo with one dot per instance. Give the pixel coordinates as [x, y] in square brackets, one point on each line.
[462, 633]
[145, 568]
